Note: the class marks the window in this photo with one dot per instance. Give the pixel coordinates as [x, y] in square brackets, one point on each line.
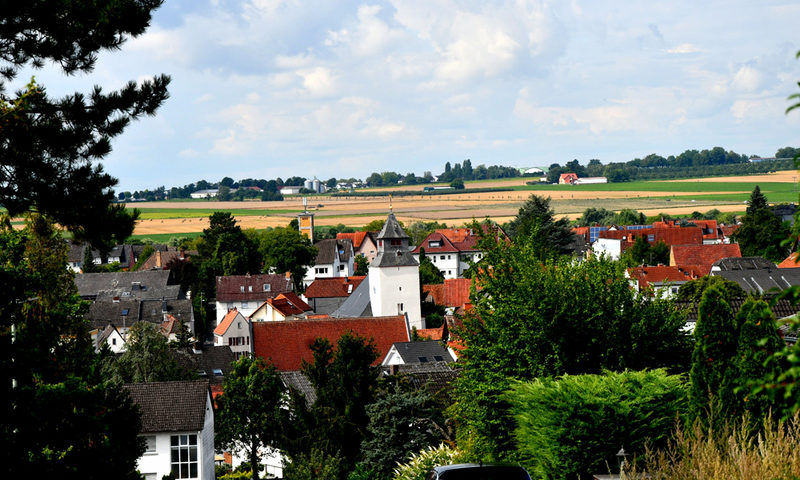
[441, 257]
[651, 238]
[241, 288]
[448, 257]
[399, 308]
[423, 359]
[202, 374]
[249, 288]
[245, 305]
[435, 243]
[113, 341]
[321, 270]
[396, 242]
[438, 358]
[217, 372]
[341, 268]
[267, 287]
[184, 456]
[150, 441]
[401, 288]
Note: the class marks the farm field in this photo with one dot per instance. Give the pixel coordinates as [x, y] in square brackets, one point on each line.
[675, 197]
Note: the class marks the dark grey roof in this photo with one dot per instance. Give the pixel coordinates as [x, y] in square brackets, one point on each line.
[422, 352]
[327, 250]
[357, 304]
[392, 229]
[301, 383]
[171, 406]
[782, 308]
[206, 361]
[122, 314]
[744, 263]
[144, 284]
[127, 311]
[394, 258]
[110, 328]
[762, 281]
[435, 376]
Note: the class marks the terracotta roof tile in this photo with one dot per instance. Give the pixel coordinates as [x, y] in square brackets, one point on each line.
[790, 262]
[333, 287]
[431, 333]
[288, 343]
[702, 255]
[289, 304]
[226, 322]
[357, 238]
[454, 292]
[646, 275]
[670, 235]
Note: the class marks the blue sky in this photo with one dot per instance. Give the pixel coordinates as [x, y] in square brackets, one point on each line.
[273, 88]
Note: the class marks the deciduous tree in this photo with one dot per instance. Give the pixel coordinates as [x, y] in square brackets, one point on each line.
[536, 220]
[250, 411]
[286, 250]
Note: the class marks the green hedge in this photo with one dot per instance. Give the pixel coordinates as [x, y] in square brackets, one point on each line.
[573, 426]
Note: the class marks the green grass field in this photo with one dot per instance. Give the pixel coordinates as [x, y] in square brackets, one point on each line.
[164, 237]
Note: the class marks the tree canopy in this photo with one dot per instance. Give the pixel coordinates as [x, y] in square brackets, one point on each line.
[536, 222]
[762, 233]
[50, 146]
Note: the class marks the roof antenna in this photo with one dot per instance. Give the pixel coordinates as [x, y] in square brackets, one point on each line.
[305, 204]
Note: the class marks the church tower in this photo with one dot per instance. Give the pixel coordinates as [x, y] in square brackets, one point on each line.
[394, 276]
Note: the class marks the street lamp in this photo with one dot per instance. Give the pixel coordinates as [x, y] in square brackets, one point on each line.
[622, 459]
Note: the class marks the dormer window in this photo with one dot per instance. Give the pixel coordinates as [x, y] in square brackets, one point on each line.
[249, 288]
[267, 287]
[434, 243]
[241, 288]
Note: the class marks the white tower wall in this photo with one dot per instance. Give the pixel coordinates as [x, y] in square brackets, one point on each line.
[395, 291]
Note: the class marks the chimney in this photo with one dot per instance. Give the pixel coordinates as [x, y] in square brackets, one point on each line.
[158, 258]
[288, 276]
[183, 253]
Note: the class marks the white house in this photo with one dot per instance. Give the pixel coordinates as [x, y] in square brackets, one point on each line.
[248, 292]
[290, 190]
[207, 193]
[335, 258]
[611, 247]
[178, 427]
[451, 250]
[286, 306]
[234, 331]
[394, 276]
[112, 337]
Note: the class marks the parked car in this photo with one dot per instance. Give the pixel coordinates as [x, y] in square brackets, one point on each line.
[474, 471]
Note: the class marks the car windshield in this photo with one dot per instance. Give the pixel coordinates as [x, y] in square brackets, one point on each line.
[485, 473]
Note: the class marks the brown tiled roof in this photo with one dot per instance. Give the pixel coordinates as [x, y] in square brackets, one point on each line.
[669, 235]
[790, 262]
[454, 292]
[289, 304]
[251, 287]
[173, 254]
[645, 275]
[287, 343]
[333, 287]
[702, 255]
[171, 406]
[453, 240]
[431, 333]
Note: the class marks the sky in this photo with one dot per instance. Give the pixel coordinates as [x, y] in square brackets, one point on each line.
[280, 88]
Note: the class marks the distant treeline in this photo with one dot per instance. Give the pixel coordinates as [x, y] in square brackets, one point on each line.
[451, 172]
[410, 193]
[691, 163]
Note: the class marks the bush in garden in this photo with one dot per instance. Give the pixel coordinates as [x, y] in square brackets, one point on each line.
[420, 464]
[573, 426]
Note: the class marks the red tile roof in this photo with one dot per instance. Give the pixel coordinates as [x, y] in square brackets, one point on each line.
[709, 227]
[289, 304]
[357, 238]
[662, 274]
[454, 292]
[567, 178]
[251, 287]
[669, 235]
[226, 322]
[453, 240]
[790, 262]
[431, 333]
[702, 255]
[333, 287]
[288, 343]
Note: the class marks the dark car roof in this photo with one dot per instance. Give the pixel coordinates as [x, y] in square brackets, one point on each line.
[473, 471]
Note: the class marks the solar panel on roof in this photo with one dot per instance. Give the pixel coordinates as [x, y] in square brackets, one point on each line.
[124, 311]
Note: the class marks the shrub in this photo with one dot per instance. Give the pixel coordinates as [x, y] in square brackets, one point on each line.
[574, 425]
[421, 463]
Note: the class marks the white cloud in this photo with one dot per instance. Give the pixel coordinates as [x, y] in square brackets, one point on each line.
[319, 81]
[747, 79]
[369, 37]
[683, 48]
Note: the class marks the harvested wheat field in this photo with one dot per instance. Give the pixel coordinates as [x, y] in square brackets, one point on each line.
[650, 198]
